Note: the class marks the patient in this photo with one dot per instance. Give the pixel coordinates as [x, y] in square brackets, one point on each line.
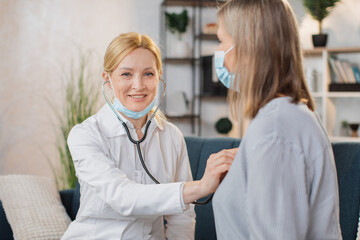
[283, 181]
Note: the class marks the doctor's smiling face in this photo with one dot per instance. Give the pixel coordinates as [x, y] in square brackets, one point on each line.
[135, 79]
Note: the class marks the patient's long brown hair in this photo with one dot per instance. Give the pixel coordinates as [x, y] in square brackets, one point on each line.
[268, 54]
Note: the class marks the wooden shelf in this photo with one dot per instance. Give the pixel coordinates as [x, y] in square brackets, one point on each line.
[186, 116]
[179, 60]
[319, 51]
[204, 36]
[344, 50]
[336, 94]
[193, 3]
[212, 96]
[344, 139]
[343, 94]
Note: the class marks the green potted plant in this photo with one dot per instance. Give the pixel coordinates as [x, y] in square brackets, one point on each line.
[177, 24]
[80, 99]
[344, 128]
[223, 126]
[319, 10]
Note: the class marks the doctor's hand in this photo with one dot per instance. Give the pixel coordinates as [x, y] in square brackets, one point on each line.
[217, 166]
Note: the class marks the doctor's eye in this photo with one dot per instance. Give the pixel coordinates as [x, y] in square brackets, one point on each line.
[149, 74]
[126, 74]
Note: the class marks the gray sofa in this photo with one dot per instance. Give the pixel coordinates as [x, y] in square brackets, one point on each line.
[347, 157]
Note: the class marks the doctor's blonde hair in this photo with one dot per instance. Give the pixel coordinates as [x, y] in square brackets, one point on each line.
[268, 60]
[124, 44]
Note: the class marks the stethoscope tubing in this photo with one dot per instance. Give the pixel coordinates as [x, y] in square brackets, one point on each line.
[137, 142]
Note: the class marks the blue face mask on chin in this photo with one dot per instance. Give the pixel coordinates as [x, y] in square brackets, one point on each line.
[131, 114]
[221, 71]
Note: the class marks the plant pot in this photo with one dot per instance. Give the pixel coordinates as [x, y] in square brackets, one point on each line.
[354, 127]
[182, 50]
[344, 132]
[319, 40]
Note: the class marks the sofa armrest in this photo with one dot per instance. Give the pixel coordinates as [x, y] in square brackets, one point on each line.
[67, 197]
[70, 198]
[5, 228]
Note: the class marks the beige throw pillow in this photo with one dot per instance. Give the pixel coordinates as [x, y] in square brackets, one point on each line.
[33, 207]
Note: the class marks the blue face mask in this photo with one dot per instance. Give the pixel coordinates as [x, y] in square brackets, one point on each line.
[221, 71]
[131, 114]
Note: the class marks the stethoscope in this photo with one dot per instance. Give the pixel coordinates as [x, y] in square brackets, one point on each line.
[137, 142]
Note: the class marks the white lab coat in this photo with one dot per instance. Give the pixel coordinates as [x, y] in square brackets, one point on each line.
[118, 200]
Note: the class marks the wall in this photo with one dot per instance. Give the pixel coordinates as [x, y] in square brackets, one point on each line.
[342, 25]
[40, 38]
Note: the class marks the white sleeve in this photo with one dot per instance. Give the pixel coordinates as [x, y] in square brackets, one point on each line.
[182, 226]
[277, 198]
[95, 168]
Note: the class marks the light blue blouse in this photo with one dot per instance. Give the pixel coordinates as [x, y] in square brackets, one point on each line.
[283, 182]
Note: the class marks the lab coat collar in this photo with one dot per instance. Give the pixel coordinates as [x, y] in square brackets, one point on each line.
[112, 127]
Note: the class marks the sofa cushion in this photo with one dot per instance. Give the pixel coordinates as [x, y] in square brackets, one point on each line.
[75, 202]
[33, 207]
[199, 150]
[347, 160]
[5, 229]
[67, 198]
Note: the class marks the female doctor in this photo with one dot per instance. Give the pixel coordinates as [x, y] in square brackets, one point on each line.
[118, 198]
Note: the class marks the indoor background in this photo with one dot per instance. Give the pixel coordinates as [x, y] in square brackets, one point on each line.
[42, 39]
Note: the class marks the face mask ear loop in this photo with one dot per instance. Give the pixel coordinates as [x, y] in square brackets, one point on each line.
[107, 101]
[161, 100]
[112, 86]
[229, 50]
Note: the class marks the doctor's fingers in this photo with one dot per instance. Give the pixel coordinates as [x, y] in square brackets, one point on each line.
[222, 168]
[225, 152]
[232, 150]
[219, 160]
[224, 156]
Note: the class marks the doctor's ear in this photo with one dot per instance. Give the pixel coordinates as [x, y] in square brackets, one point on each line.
[105, 76]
